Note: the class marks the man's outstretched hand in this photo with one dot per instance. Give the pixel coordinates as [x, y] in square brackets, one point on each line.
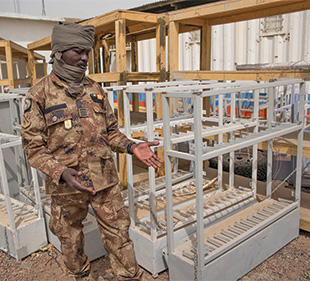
[144, 153]
[69, 176]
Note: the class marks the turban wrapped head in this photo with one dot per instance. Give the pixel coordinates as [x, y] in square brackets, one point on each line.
[66, 36]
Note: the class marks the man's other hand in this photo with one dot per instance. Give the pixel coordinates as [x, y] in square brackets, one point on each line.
[144, 153]
[69, 176]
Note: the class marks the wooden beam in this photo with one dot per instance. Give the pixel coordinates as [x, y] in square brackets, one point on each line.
[143, 76]
[173, 47]
[283, 9]
[106, 56]
[91, 62]
[32, 66]
[140, 16]
[42, 44]
[228, 8]
[105, 77]
[161, 68]
[22, 81]
[9, 63]
[96, 49]
[205, 57]
[120, 44]
[240, 75]
[4, 82]
[134, 68]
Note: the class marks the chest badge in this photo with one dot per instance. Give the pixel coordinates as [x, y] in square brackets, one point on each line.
[83, 112]
[96, 97]
[68, 124]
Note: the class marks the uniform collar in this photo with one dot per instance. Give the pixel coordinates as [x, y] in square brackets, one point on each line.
[62, 83]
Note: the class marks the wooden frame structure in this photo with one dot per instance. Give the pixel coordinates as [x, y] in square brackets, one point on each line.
[230, 11]
[11, 51]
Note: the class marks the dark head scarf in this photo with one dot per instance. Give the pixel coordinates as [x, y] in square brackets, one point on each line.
[66, 36]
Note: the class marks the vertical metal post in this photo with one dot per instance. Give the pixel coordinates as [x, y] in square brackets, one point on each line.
[220, 141]
[6, 192]
[131, 202]
[36, 189]
[199, 184]
[270, 120]
[255, 118]
[232, 137]
[150, 137]
[301, 120]
[169, 199]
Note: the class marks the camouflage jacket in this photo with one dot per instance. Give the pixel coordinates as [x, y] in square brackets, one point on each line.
[60, 131]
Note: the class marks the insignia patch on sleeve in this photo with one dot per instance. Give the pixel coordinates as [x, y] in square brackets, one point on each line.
[96, 98]
[27, 105]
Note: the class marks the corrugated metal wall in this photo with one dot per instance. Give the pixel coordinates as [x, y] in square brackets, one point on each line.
[241, 43]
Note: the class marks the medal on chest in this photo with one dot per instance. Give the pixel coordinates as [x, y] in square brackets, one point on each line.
[68, 124]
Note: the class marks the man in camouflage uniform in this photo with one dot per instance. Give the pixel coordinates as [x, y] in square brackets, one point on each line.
[69, 132]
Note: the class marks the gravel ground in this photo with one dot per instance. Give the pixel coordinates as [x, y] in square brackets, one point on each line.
[291, 263]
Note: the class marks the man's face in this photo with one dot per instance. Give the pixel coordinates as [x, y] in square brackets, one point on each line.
[76, 57]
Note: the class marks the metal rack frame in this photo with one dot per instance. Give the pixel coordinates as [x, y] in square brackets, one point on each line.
[200, 266]
[24, 221]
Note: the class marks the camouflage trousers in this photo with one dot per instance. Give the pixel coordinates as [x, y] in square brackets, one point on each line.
[67, 214]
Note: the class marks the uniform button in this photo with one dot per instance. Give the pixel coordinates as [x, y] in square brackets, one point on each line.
[54, 118]
[96, 109]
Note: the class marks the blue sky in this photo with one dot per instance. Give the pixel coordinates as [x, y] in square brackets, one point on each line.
[69, 8]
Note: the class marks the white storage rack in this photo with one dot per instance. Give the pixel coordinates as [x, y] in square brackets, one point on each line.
[234, 231]
[148, 230]
[93, 242]
[22, 226]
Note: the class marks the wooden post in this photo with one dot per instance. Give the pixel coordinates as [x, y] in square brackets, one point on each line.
[106, 58]
[160, 67]
[173, 46]
[44, 67]
[32, 66]
[97, 55]
[120, 44]
[134, 68]
[9, 64]
[205, 57]
[91, 62]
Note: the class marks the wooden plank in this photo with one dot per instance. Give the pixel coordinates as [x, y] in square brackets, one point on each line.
[91, 62]
[161, 68]
[279, 10]
[228, 8]
[205, 57]
[141, 27]
[4, 82]
[173, 47]
[9, 63]
[305, 218]
[102, 19]
[134, 68]
[22, 81]
[105, 77]
[42, 44]
[106, 56]
[96, 49]
[120, 44]
[32, 66]
[240, 75]
[140, 16]
[143, 76]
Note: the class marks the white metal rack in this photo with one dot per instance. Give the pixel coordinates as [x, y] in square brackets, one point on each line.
[222, 239]
[147, 201]
[19, 221]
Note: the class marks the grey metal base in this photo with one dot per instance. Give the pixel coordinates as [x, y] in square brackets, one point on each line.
[244, 256]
